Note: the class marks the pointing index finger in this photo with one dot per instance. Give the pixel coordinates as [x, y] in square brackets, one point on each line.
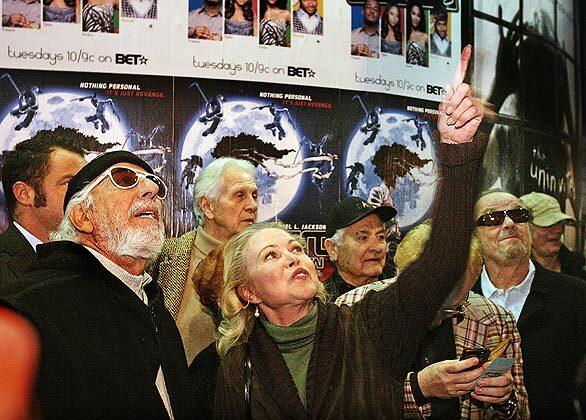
[463, 66]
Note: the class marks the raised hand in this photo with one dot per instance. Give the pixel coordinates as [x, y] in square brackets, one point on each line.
[460, 113]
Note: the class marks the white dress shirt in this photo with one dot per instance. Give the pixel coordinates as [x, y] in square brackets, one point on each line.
[32, 239]
[512, 299]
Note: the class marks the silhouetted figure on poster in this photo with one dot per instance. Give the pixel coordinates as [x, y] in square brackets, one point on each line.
[277, 113]
[141, 141]
[316, 149]
[212, 114]
[356, 169]
[540, 92]
[156, 157]
[99, 118]
[320, 163]
[418, 137]
[213, 111]
[28, 103]
[188, 174]
[371, 123]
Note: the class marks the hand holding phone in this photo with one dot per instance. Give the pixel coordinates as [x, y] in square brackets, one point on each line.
[482, 353]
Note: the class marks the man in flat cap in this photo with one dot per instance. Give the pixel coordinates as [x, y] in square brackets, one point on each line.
[546, 229]
[356, 243]
[110, 349]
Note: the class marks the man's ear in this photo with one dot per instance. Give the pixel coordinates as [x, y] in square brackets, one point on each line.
[24, 193]
[331, 249]
[248, 295]
[81, 220]
[206, 206]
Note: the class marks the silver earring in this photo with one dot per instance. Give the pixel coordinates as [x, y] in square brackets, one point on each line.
[256, 312]
[247, 303]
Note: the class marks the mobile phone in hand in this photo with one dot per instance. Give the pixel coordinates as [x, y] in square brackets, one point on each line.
[481, 352]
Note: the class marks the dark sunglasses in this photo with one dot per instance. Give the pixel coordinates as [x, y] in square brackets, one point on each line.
[126, 178]
[496, 218]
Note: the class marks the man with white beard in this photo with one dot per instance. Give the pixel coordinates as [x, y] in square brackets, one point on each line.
[110, 348]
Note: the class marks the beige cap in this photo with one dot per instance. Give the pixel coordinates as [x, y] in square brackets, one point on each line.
[545, 209]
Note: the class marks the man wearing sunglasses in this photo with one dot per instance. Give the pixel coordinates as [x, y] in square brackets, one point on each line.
[437, 378]
[110, 347]
[548, 306]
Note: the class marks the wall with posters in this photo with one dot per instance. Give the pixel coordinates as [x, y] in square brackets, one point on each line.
[527, 66]
[326, 98]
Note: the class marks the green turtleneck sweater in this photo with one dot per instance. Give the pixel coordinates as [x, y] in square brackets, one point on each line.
[295, 343]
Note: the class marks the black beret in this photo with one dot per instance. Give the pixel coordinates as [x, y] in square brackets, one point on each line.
[97, 166]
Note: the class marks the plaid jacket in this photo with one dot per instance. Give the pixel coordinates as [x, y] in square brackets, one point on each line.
[484, 324]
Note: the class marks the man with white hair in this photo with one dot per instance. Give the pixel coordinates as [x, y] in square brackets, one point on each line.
[224, 203]
[110, 349]
[356, 243]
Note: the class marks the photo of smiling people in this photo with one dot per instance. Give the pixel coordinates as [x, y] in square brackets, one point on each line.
[440, 38]
[365, 39]
[275, 23]
[417, 35]
[392, 39]
[308, 17]
[241, 17]
[205, 20]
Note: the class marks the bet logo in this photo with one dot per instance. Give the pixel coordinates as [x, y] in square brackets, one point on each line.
[300, 71]
[131, 59]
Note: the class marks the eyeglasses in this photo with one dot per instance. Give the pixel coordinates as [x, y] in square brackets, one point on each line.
[496, 218]
[457, 313]
[127, 178]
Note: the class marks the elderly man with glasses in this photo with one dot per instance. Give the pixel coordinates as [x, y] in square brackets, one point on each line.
[466, 321]
[110, 349]
[548, 306]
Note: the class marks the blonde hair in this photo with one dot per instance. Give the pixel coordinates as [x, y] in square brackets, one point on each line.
[238, 318]
[413, 244]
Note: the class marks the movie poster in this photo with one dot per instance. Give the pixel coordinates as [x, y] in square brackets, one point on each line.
[311, 147]
[290, 134]
[115, 112]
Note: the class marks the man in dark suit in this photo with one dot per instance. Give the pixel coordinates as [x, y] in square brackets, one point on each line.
[548, 306]
[34, 178]
[110, 349]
